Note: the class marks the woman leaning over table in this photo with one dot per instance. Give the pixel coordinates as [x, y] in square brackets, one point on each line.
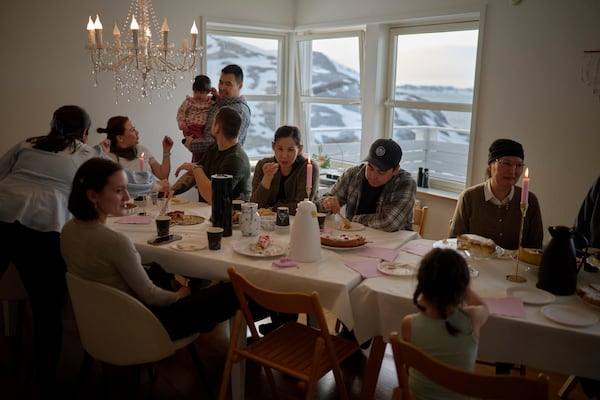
[35, 179]
[492, 208]
[281, 180]
[100, 189]
[140, 165]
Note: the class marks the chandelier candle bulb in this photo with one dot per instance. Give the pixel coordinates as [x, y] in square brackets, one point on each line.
[91, 33]
[164, 31]
[134, 32]
[525, 189]
[194, 33]
[98, 32]
[117, 36]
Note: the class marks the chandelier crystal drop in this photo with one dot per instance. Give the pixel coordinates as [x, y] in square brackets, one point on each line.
[142, 61]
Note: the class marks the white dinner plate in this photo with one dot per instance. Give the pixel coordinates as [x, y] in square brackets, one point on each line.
[397, 269]
[179, 200]
[354, 226]
[531, 295]
[249, 248]
[569, 315]
[451, 244]
[188, 245]
[343, 248]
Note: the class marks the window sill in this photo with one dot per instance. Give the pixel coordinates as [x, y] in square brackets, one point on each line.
[442, 194]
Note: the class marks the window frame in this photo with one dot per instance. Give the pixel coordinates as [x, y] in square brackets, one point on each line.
[281, 99]
[471, 22]
[303, 70]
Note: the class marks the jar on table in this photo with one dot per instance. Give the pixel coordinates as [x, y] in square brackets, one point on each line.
[250, 219]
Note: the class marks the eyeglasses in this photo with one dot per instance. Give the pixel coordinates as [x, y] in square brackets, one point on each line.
[510, 165]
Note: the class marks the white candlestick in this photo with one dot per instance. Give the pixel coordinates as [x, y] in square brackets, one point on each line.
[134, 32]
[117, 36]
[194, 33]
[164, 30]
[98, 32]
[91, 33]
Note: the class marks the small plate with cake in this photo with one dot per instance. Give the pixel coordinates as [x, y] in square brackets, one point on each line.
[354, 226]
[263, 246]
[472, 245]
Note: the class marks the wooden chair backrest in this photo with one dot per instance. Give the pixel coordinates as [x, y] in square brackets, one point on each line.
[419, 218]
[407, 355]
[283, 302]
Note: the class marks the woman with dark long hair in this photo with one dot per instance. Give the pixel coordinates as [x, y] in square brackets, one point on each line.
[35, 181]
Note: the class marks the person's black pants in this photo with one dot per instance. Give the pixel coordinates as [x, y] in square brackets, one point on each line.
[37, 258]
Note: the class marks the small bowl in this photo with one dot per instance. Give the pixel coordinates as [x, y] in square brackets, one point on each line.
[131, 209]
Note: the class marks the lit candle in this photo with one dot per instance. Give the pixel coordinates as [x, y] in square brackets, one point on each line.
[194, 32]
[525, 189]
[91, 33]
[117, 35]
[309, 173]
[134, 31]
[98, 30]
[142, 162]
[164, 31]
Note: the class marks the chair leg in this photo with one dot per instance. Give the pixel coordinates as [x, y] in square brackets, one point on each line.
[566, 388]
[196, 358]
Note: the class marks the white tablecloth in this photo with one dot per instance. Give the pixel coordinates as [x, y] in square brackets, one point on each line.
[328, 276]
[380, 303]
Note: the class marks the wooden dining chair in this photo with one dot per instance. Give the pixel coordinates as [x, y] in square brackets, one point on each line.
[407, 356]
[116, 328]
[303, 352]
[419, 219]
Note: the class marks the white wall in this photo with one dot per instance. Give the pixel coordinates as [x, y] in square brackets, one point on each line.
[529, 84]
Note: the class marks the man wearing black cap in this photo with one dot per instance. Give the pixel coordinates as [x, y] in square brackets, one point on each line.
[492, 208]
[377, 193]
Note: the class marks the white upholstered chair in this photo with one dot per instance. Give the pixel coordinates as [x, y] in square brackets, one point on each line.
[118, 329]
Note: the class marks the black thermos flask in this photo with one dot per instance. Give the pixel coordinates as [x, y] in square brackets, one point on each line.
[222, 188]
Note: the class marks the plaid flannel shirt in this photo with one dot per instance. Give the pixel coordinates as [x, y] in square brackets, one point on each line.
[395, 204]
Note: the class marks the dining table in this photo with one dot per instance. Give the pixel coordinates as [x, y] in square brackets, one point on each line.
[330, 275]
[526, 326]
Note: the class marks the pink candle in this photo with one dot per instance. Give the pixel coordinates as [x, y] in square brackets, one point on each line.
[142, 162]
[309, 173]
[525, 189]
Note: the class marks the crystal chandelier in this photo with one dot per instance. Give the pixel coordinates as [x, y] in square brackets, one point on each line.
[139, 65]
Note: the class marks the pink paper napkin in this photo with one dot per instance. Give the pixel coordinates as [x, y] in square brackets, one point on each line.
[419, 249]
[507, 306]
[366, 269]
[379, 252]
[135, 219]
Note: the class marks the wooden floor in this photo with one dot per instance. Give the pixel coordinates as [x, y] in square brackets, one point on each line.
[176, 378]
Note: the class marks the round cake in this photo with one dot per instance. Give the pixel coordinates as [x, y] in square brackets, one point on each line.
[341, 240]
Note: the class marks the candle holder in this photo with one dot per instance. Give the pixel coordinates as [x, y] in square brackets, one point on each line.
[516, 277]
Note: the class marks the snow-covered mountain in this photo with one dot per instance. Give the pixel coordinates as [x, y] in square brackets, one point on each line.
[330, 79]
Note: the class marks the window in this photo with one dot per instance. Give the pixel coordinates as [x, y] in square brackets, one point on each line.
[329, 71]
[262, 58]
[431, 88]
